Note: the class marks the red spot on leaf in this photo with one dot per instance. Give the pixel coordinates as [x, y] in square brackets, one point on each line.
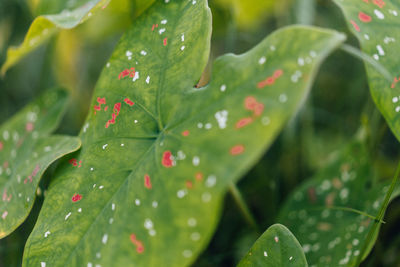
[129, 102]
[73, 162]
[270, 80]
[1, 146]
[185, 133]
[199, 176]
[165, 41]
[76, 197]
[236, 150]
[147, 182]
[117, 109]
[29, 127]
[278, 73]
[189, 184]
[364, 17]
[258, 110]
[101, 101]
[6, 197]
[379, 3]
[106, 108]
[167, 159]
[243, 122]
[137, 243]
[250, 103]
[33, 174]
[127, 72]
[356, 27]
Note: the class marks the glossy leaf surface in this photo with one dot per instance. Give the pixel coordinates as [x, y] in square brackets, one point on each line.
[158, 154]
[45, 26]
[26, 150]
[276, 247]
[375, 24]
[332, 213]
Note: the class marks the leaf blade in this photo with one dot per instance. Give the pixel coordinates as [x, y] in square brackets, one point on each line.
[277, 246]
[168, 179]
[26, 151]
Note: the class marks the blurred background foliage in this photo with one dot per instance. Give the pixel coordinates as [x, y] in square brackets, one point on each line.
[339, 104]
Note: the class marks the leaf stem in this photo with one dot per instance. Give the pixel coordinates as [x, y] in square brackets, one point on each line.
[244, 209]
[363, 56]
[379, 218]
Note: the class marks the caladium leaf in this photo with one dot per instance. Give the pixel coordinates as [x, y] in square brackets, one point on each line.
[276, 247]
[26, 150]
[374, 24]
[157, 153]
[332, 213]
[45, 26]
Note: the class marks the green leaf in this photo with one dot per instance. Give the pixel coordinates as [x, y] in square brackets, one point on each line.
[332, 213]
[158, 154]
[26, 150]
[276, 247]
[45, 26]
[374, 23]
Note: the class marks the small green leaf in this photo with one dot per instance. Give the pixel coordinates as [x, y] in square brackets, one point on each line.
[45, 26]
[375, 24]
[277, 247]
[158, 155]
[332, 213]
[26, 150]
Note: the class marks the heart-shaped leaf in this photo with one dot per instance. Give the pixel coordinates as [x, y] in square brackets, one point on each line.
[375, 23]
[26, 150]
[45, 26]
[332, 213]
[276, 247]
[158, 154]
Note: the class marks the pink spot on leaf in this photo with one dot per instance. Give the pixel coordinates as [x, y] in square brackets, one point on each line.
[364, 17]
[147, 182]
[29, 127]
[243, 122]
[167, 159]
[129, 102]
[356, 27]
[185, 133]
[237, 150]
[137, 243]
[76, 197]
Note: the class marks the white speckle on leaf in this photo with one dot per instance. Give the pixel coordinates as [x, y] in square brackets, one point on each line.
[148, 79]
[262, 60]
[379, 14]
[66, 216]
[206, 197]
[143, 53]
[136, 76]
[46, 234]
[192, 222]
[381, 52]
[196, 161]
[223, 88]
[104, 239]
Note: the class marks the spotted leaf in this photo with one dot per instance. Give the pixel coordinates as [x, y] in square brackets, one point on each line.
[374, 23]
[43, 27]
[332, 213]
[26, 150]
[276, 247]
[158, 154]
